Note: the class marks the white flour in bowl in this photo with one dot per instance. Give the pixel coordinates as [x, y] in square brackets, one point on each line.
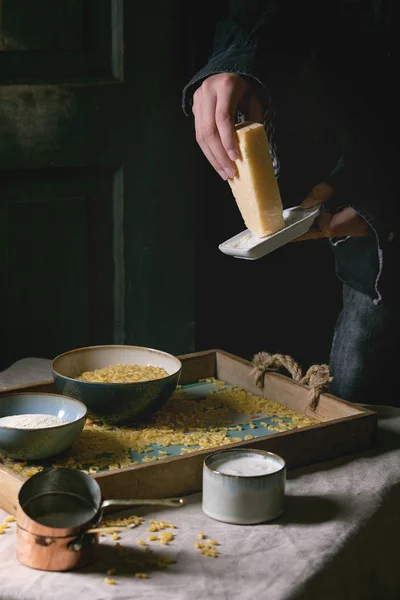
[28, 421]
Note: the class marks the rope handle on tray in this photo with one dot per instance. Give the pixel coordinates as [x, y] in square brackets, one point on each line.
[317, 378]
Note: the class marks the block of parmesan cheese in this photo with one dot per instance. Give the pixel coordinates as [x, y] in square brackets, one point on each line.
[255, 187]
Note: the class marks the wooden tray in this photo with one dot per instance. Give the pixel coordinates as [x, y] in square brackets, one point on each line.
[342, 429]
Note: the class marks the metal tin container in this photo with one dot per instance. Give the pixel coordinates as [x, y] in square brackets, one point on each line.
[58, 518]
[251, 492]
[55, 509]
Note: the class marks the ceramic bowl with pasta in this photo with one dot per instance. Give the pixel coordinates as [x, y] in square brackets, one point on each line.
[120, 384]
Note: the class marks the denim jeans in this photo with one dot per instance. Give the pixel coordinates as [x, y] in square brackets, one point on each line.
[364, 351]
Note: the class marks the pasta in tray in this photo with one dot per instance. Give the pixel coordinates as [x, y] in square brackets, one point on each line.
[182, 426]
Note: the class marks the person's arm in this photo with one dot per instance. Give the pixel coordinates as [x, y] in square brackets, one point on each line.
[234, 79]
[361, 186]
[243, 44]
[247, 43]
[362, 181]
[255, 37]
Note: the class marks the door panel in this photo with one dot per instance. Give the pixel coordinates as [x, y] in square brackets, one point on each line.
[96, 172]
[60, 41]
[57, 260]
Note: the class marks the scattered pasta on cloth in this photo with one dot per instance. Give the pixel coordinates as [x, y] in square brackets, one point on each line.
[143, 559]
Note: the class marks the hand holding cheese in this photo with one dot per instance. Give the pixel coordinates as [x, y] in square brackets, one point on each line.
[215, 104]
[255, 187]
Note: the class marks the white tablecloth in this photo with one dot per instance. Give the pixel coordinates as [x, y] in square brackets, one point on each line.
[26, 371]
[338, 539]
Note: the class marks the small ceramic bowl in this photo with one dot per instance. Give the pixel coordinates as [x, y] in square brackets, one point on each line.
[35, 444]
[243, 486]
[117, 403]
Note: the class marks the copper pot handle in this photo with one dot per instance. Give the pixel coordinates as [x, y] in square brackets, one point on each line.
[174, 502]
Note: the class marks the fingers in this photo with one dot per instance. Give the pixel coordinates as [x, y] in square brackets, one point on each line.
[218, 127]
[214, 108]
[205, 134]
[320, 193]
[225, 121]
[346, 222]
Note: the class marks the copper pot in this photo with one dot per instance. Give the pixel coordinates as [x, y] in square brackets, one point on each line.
[57, 512]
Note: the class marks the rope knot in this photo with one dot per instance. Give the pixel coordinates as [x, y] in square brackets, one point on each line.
[317, 378]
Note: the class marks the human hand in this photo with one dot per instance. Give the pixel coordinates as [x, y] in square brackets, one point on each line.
[345, 222]
[215, 104]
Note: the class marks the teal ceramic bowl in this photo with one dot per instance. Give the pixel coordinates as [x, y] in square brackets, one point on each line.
[35, 444]
[116, 403]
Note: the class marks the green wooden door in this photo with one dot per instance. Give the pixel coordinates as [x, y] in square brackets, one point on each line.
[95, 178]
